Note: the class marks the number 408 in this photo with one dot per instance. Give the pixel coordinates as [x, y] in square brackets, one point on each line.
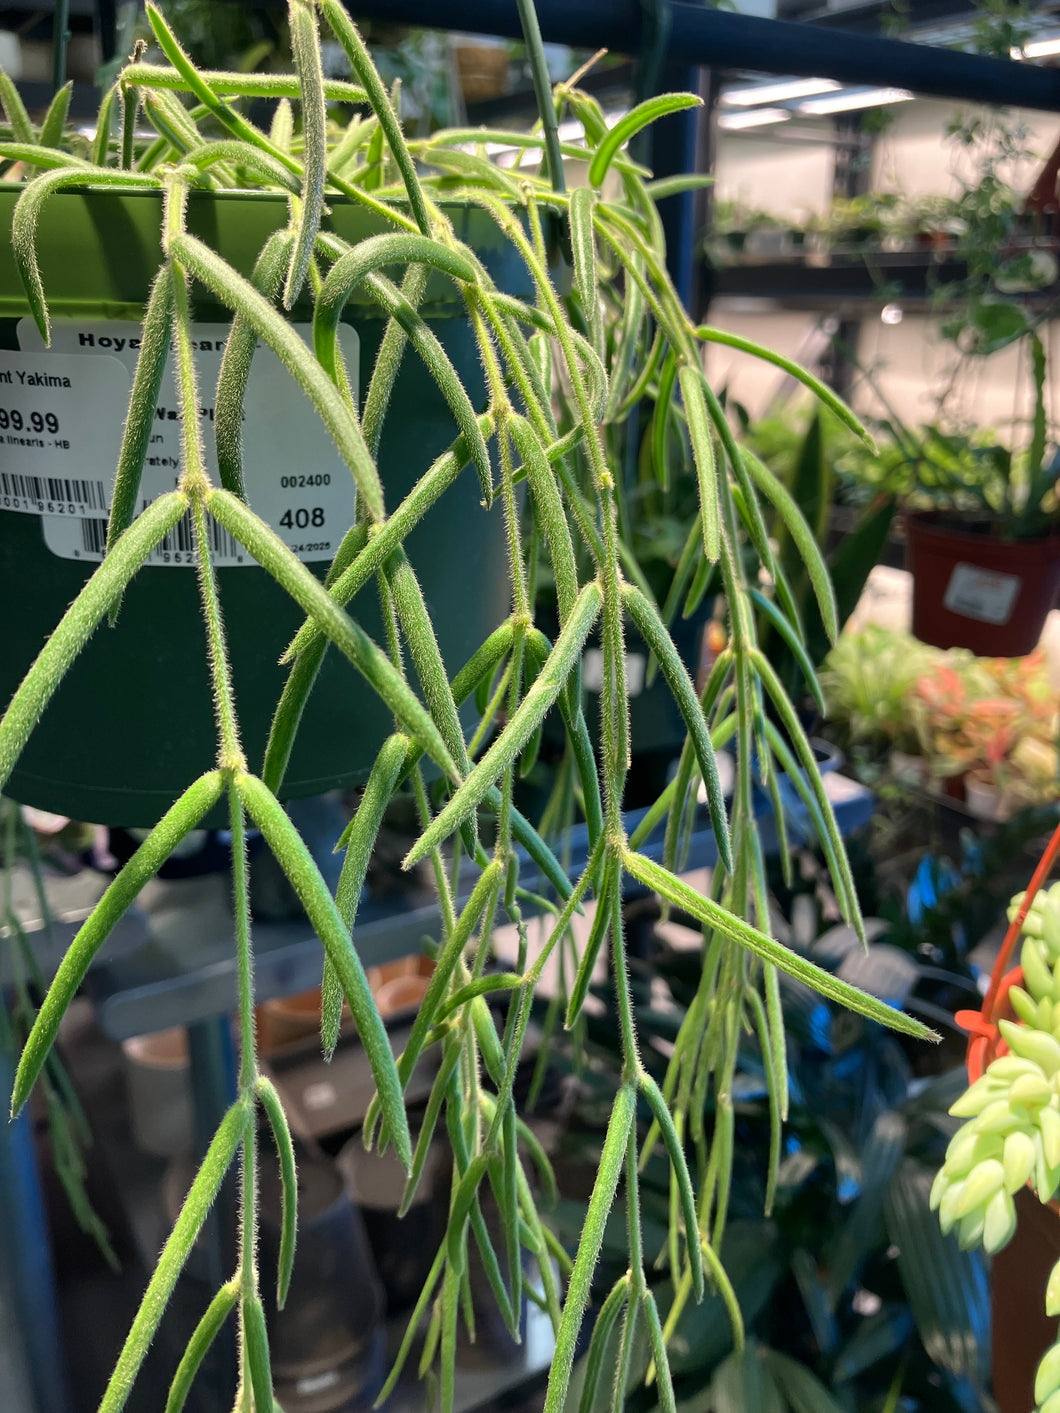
[302, 518]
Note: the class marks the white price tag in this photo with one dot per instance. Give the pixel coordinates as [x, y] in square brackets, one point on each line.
[60, 430]
[982, 594]
[296, 480]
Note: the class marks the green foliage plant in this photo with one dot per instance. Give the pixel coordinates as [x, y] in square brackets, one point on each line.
[203, 140]
[1005, 484]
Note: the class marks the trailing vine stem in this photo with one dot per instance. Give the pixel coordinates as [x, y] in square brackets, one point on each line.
[560, 372]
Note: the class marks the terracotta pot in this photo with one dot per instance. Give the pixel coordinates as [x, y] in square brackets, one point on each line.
[978, 592]
[398, 987]
[288, 1018]
[483, 69]
[403, 993]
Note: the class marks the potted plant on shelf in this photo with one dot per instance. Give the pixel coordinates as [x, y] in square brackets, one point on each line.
[331, 209]
[989, 725]
[856, 223]
[1009, 1146]
[982, 523]
[984, 551]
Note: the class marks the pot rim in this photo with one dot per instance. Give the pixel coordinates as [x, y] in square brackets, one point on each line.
[933, 523]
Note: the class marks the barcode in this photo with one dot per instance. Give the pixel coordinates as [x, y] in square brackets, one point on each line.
[55, 489]
[180, 540]
[94, 536]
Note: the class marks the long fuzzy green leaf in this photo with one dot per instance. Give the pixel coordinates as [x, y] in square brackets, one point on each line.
[679, 893]
[650, 625]
[777, 493]
[603, 1328]
[206, 1331]
[531, 711]
[193, 805]
[427, 490]
[51, 129]
[636, 119]
[239, 295]
[376, 253]
[483, 893]
[175, 1253]
[15, 111]
[439, 365]
[104, 122]
[234, 372]
[140, 422]
[346, 33]
[691, 381]
[256, 1351]
[820, 390]
[100, 593]
[227, 83]
[797, 736]
[196, 84]
[305, 47]
[550, 513]
[791, 638]
[661, 1114]
[297, 863]
[351, 640]
[242, 154]
[360, 841]
[612, 1159]
[583, 248]
[171, 121]
[281, 1134]
[609, 881]
[29, 152]
[27, 215]
[658, 1353]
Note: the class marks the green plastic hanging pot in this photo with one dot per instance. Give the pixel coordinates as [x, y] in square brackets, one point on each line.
[132, 723]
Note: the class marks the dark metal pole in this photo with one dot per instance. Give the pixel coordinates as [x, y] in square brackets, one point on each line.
[28, 1297]
[60, 39]
[719, 39]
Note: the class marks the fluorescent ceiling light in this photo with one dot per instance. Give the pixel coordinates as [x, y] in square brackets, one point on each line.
[776, 92]
[756, 118]
[850, 99]
[1041, 47]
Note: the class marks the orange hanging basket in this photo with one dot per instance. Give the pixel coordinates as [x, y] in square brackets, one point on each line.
[1020, 1333]
[984, 1037]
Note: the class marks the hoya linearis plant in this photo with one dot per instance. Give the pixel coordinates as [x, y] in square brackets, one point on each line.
[572, 508]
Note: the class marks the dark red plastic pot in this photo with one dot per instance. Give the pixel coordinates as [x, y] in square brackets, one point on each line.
[974, 591]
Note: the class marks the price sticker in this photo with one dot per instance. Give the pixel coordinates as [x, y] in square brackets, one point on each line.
[982, 594]
[295, 478]
[60, 431]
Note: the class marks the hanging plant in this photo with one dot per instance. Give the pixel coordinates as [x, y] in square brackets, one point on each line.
[505, 432]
